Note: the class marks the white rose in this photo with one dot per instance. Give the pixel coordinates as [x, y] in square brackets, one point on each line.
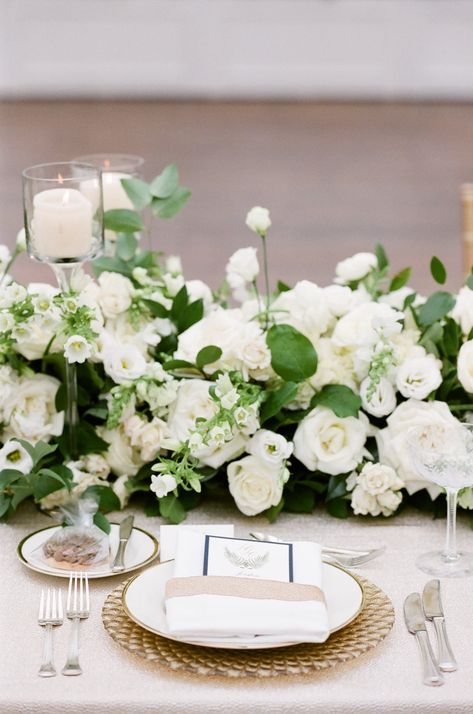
[14, 456]
[122, 458]
[365, 324]
[465, 366]
[123, 363]
[418, 377]
[306, 308]
[378, 478]
[255, 485]
[383, 400]
[162, 484]
[392, 440]
[258, 220]
[335, 366]
[243, 267]
[255, 356]
[193, 402]
[389, 502]
[115, 293]
[463, 310]
[30, 411]
[363, 503]
[327, 443]
[355, 268]
[270, 447]
[341, 299]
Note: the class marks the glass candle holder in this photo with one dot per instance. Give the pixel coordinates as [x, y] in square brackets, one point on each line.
[114, 168]
[63, 210]
[63, 213]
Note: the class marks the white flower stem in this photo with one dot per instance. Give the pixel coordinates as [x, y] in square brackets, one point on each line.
[64, 275]
[266, 277]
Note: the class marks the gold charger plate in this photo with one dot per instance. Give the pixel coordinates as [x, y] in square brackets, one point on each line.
[368, 630]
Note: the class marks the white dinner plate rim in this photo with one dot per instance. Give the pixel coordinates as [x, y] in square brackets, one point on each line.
[91, 575]
[235, 646]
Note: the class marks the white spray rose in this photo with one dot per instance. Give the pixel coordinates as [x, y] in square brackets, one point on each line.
[258, 220]
[376, 490]
[355, 268]
[383, 400]
[418, 377]
[255, 485]
[270, 447]
[392, 441]
[465, 366]
[328, 443]
[30, 410]
[14, 456]
[115, 293]
[378, 478]
[242, 268]
[123, 363]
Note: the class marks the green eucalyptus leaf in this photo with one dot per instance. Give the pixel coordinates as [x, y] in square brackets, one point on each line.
[47, 481]
[172, 509]
[169, 207]
[208, 355]
[137, 191]
[177, 364]
[435, 308]
[381, 256]
[122, 220]
[112, 265]
[469, 282]
[166, 183]
[126, 246]
[276, 400]
[293, 356]
[400, 279]
[438, 271]
[340, 399]
[105, 496]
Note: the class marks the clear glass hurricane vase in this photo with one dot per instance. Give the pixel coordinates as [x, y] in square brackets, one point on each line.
[63, 213]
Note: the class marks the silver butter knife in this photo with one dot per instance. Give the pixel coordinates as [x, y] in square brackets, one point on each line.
[433, 610]
[414, 617]
[126, 527]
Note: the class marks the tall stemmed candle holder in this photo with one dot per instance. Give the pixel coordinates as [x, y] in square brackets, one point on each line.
[114, 168]
[63, 213]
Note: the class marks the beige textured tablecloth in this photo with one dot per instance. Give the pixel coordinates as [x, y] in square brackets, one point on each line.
[388, 679]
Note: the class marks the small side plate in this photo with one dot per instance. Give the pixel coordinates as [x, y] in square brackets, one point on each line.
[142, 548]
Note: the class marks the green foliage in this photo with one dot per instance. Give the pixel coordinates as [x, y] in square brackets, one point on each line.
[208, 355]
[437, 270]
[122, 220]
[435, 308]
[400, 279]
[293, 356]
[340, 399]
[138, 192]
[276, 400]
[383, 262]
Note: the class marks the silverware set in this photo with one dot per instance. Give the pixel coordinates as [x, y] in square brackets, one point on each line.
[417, 611]
[51, 615]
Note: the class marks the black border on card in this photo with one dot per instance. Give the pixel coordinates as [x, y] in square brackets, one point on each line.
[250, 540]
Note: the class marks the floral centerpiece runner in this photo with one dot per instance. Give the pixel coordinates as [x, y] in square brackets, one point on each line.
[286, 397]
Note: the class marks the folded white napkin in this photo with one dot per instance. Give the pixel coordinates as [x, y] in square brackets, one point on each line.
[168, 536]
[225, 609]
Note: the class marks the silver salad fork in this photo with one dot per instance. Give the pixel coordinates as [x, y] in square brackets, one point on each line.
[77, 609]
[50, 615]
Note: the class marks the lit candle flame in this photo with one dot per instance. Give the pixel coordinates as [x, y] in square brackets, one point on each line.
[65, 198]
[106, 164]
[60, 179]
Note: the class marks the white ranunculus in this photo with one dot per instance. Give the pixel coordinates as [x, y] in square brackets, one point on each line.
[14, 456]
[122, 458]
[162, 484]
[115, 293]
[355, 268]
[258, 220]
[365, 324]
[392, 440]
[465, 366]
[419, 376]
[198, 290]
[193, 402]
[242, 268]
[305, 307]
[270, 447]
[363, 503]
[378, 478]
[77, 349]
[30, 410]
[255, 485]
[335, 366]
[383, 400]
[463, 310]
[123, 363]
[327, 443]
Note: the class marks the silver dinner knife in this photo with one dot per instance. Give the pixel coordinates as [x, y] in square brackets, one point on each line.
[414, 617]
[433, 610]
[126, 527]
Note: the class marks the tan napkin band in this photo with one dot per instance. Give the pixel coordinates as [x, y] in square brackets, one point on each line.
[242, 587]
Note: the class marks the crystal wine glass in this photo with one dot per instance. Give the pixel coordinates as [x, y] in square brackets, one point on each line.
[444, 456]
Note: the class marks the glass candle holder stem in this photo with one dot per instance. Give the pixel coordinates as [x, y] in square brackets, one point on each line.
[64, 275]
[451, 553]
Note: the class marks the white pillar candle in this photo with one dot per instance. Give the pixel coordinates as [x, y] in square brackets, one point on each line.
[114, 195]
[62, 223]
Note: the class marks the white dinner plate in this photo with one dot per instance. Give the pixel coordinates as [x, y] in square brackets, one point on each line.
[142, 548]
[143, 601]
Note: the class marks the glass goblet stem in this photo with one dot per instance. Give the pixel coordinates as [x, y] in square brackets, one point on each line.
[64, 275]
[450, 553]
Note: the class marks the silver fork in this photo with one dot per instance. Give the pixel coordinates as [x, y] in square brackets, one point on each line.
[50, 615]
[77, 609]
[346, 557]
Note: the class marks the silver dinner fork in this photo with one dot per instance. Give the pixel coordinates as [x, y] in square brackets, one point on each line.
[77, 609]
[50, 615]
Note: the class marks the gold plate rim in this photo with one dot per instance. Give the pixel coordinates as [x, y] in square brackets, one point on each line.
[261, 646]
[65, 573]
